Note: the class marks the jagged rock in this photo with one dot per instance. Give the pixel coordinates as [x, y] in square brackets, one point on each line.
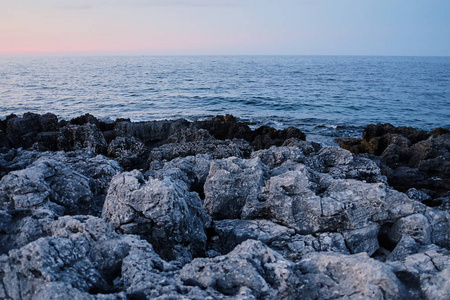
[215, 148]
[440, 227]
[230, 233]
[266, 137]
[162, 211]
[20, 227]
[425, 274]
[193, 170]
[58, 290]
[276, 156]
[5, 145]
[250, 265]
[129, 152]
[227, 127]
[341, 164]
[415, 226]
[22, 131]
[230, 184]
[409, 158]
[363, 240]
[53, 181]
[150, 133]
[333, 275]
[75, 137]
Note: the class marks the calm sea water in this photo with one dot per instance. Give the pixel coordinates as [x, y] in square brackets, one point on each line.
[322, 95]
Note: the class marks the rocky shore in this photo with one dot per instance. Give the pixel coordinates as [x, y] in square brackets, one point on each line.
[215, 210]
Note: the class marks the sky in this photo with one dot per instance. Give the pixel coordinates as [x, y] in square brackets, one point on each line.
[225, 27]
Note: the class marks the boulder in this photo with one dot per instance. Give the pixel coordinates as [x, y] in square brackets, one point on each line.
[129, 152]
[75, 137]
[231, 183]
[64, 183]
[334, 275]
[163, 212]
[251, 268]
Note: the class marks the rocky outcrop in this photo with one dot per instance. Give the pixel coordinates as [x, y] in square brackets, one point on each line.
[214, 210]
[409, 158]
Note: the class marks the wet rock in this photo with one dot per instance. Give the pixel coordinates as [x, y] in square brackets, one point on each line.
[150, 133]
[162, 211]
[22, 131]
[266, 137]
[408, 157]
[231, 183]
[74, 137]
[129, 152]
[215, 148]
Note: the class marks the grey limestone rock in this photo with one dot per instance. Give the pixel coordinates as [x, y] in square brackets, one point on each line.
[251, 265]
[338, 276]
[162, 211]
[230, 233]
[73, 183]
[231, 183]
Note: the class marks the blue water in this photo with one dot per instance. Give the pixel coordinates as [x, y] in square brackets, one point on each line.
[321, 95]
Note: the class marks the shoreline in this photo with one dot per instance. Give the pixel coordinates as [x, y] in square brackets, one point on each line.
[214, 208]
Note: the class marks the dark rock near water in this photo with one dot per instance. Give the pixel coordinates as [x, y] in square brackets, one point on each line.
[215, 210]
[408, 157]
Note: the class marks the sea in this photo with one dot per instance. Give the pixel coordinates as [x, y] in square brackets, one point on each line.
[324, 96]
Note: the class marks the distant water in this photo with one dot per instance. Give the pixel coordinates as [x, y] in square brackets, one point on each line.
[325, 96]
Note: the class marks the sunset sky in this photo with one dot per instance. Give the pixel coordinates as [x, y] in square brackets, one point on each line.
[197, 27]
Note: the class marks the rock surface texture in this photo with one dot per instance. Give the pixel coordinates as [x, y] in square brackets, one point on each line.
[215, 210]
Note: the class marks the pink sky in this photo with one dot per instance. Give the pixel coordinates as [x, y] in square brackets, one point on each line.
[383, 27]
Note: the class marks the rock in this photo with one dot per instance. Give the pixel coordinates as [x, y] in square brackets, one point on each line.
[415, 226]
[341, 164]
[227, 127]
[215, 148]
[230, 233]
[58, 290]
[440, 227]
[150, 133]
[230, 184]
[129, 152]
[408, 157]
[5, 145]
[193, 170]
[20, 227]
[163, 212]
[363, 240]
[74, 137]
[425, 274]
[333, 275]
[266, 137]
[250, 265]
[276, 156]
[53, 182]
